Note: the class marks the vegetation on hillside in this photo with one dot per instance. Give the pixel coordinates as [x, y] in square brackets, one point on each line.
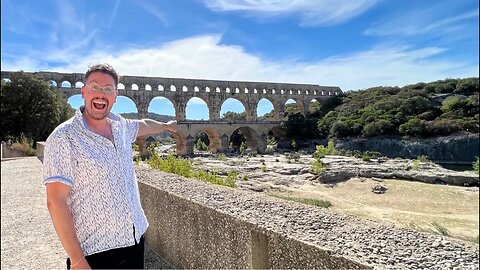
[151, 115]
[30, 108]
[420, 110]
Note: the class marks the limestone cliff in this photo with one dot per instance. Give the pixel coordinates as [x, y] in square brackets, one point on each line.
[459, 148]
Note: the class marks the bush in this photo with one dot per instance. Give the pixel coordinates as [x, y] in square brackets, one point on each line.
[453, 103]
[183, 167]
[200, 145]
[377, 128]
[414, 127]
[243, 147]
[24, 145]
[416, 163]
[318, 167]
[322, 151]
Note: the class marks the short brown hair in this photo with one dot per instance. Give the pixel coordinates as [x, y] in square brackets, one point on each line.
[104, 68]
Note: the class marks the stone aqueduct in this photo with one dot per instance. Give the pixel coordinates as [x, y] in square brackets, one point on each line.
[141, 90]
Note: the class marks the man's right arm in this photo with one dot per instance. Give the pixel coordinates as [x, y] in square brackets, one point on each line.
[63, 222]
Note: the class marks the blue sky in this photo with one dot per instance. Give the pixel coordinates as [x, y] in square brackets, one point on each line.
[353, 44]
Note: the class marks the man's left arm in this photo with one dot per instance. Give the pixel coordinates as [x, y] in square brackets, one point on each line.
[149, 126]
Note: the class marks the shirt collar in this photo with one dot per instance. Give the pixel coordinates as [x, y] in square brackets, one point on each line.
[111, 117]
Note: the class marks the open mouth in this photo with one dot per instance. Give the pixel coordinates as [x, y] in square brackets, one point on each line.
[99, 104]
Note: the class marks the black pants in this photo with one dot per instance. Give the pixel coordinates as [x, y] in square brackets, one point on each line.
[131, 257]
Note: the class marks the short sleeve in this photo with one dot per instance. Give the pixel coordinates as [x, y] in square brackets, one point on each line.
[132, 127]
[57, 161]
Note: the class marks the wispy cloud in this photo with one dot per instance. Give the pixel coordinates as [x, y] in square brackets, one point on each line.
[312, 12]
[114, 13]
[436, 20]
[153, 9]
[205, 57]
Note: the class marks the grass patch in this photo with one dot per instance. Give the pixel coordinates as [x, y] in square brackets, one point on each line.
[221, 157]
[440, 229]
[183, 167]
[315, 202]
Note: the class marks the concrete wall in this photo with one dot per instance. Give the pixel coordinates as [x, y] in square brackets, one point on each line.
[40, 149]
[8, 152]
[190, 235]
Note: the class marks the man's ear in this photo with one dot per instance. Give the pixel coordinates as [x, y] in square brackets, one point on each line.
[83, 90]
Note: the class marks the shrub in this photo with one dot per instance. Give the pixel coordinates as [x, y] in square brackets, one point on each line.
[414, 127]
[322, 151]
[24, 145]
[376, 128]
[200, 145]
[243, 147]
[184, 167]
[135, 147]
[318, 167]
[222, 157]
[453, 103]
[417, 162]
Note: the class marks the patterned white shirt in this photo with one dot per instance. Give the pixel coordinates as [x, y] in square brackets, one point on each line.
[104, 198]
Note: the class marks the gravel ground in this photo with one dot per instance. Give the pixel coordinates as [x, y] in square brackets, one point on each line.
[379, 245]
[28, 238]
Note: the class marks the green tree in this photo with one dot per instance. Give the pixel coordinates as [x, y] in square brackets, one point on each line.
[29, 106]
[233, 116]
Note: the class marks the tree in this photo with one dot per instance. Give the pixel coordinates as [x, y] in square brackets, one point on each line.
[30, 107]
[233, 116]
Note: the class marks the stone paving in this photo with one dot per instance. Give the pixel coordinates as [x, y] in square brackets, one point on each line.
[28, 238]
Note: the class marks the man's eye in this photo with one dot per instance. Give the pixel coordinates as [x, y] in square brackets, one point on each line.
[108, 89]
[95, 87]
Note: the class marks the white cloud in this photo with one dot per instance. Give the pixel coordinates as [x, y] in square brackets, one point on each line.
[204, 57]
[196, 101]
[312, 12]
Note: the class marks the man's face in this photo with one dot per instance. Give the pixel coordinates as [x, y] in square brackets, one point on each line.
[100, 93]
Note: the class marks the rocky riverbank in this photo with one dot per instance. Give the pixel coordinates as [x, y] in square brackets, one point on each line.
[276, 172]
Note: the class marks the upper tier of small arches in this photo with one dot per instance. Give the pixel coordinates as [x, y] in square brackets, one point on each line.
[134, 83]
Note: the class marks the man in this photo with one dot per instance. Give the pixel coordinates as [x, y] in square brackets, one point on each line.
[92, 190]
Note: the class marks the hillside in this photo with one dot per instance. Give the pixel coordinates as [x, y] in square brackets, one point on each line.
[432, 109]
[151, 115]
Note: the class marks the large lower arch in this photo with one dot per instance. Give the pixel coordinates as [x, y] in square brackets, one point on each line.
[252, 139]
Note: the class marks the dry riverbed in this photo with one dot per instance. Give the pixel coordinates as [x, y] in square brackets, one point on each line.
[444, 209]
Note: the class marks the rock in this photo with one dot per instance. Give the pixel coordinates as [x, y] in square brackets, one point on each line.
[379, 189]
[458, 147]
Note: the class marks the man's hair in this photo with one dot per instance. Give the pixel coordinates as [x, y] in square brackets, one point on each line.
[104, 68]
